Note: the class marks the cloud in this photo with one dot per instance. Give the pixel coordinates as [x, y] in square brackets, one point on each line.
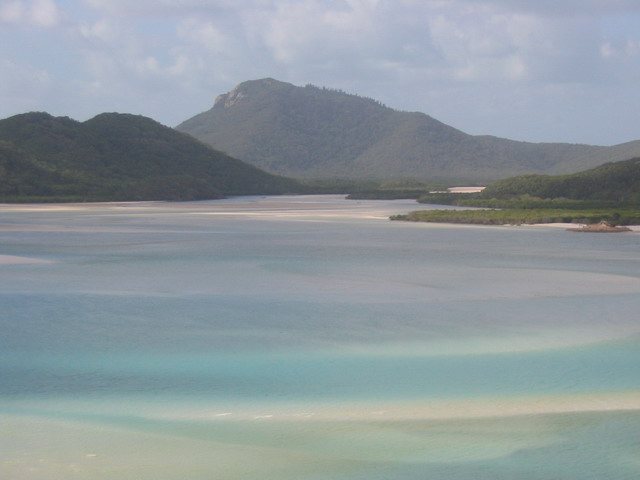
[625, 49]
[559, 7]
[12, 12]
[23, 88]
[172, 8]
[454, 40]
[45, 13]
[39, 13]
[117, 59]
[466, 62]
[204, 34]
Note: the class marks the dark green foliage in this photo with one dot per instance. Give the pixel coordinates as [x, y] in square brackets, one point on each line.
[395, 189]
[521, 201]
[523, 216]
[311, 132]
[446, 198]
[388, 194]
[613, 182]
[118, 157]
[609, 193]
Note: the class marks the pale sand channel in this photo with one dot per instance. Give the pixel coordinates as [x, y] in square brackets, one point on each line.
[342, 443]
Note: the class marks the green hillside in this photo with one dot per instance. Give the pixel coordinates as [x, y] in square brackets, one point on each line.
[312, 132]
[609, 193]
[613, 182]
[117, 157]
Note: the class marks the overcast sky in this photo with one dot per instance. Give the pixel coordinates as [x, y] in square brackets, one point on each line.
[535, 70]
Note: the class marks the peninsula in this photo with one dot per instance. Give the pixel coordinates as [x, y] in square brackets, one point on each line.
[601, 198]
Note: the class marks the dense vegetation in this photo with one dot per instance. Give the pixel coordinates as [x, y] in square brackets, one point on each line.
[117, 157]
[625, 216]
[311, 132]
[609, 193]
[612, 182]
[393, 189]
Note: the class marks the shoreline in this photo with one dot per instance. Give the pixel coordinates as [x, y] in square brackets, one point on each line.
[576, 226]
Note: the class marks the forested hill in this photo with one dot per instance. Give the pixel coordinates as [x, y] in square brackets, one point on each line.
[317, 132]
[612, 182]
[117, 157]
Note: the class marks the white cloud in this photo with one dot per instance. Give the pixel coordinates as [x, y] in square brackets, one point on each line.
[103, 31]
[559, 7]
[12, 12]
[39, 13]
[44, 13]
[204, 34]
[616, 50]
[160, 8]
[458, 40]
[425, 55]
[23, 87]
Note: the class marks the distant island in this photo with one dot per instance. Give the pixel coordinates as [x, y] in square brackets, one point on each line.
[606, 196]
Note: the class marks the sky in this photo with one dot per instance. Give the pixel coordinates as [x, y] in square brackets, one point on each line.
[531, 70]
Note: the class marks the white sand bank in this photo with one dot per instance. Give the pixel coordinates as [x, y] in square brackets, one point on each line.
[633, 228]
[16, 260]
[45, 449]
[281, 446]
[426, 410]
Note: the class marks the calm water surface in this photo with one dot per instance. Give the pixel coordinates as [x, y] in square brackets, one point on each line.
[311, 338]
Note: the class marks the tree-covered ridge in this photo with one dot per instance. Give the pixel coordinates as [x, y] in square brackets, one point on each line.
[613, 182]
[117, 157]
[517, 216]
[609, 193]
[313, 132]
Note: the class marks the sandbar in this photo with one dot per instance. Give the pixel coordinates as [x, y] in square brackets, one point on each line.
[16, 260]
[450, 409]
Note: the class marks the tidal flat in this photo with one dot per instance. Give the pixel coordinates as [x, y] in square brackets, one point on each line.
[308, 337]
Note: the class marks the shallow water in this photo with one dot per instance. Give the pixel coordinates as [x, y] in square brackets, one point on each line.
[311, 338]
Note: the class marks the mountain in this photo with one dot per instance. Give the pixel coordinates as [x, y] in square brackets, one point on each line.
[612, 182]
[118, 157]
[312, 132]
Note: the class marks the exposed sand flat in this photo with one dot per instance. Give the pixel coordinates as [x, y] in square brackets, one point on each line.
[69, 207]
[427, 410]
[600, 227]
[304, 207]
[103, 452]
[15, 260]
[269, 446]
[568, 226]
[465, 189]
[307, 208]
[502, 407]
[48, 228]
[67, 229]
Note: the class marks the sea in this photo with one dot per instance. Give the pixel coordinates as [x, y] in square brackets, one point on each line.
[311, 338]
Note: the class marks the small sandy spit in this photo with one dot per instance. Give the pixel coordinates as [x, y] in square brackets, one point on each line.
[602, 227]
[15, 260]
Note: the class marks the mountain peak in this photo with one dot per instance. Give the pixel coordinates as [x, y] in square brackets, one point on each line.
[319, 132]
[247, 89]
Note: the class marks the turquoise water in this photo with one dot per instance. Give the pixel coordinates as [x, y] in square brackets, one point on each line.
[311, 338]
